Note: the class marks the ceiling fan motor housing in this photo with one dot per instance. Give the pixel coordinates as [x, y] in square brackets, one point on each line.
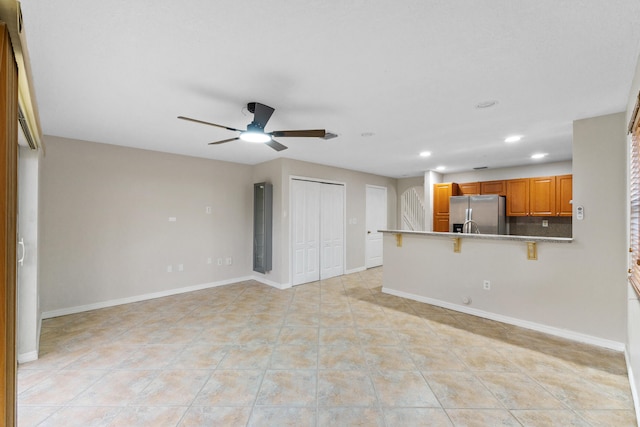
[255, 127]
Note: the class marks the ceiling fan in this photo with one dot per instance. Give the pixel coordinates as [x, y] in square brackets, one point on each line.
[255, 130]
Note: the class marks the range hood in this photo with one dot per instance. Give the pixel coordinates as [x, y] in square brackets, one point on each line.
[28, 117]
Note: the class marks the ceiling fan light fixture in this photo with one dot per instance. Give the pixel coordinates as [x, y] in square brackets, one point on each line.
[258, 137]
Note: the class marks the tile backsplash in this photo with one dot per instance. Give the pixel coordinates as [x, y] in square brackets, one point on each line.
[532, 226]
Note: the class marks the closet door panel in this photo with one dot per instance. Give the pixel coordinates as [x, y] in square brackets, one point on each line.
[332, 230]
[305, 231]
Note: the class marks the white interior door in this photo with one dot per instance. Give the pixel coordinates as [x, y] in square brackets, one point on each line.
[376, 220]
[331, 230]
[317, 229]
[306, 231]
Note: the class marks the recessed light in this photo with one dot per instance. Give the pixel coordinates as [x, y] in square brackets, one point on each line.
[539, 155]
[365, 134]
[486, 104]
[425, 154]
[440, 168]
[513, 138]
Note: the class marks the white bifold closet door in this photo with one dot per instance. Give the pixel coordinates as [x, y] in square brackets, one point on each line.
[317, 230]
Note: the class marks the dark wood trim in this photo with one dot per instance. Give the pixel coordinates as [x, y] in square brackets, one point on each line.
[8, 209]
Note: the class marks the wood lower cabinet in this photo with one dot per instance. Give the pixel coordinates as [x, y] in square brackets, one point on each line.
[542, 196]
[517, 197]
[441, 194]
[493, 187]
[441, 223]
[564, 195]
[469, 189]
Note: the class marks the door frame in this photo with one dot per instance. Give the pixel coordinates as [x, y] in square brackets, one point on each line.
[8, 226]
[290, 216]
[366, 210]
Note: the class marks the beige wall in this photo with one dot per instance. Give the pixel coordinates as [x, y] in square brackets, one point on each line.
[578, 287]
[106, 233]
[528, 171]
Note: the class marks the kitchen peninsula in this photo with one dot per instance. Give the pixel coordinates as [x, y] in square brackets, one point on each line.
[454, 270]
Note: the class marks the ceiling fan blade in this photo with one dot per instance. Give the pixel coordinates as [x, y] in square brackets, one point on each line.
[315, 133]
[276, 145]
[208, 123]
[262, 114]
[223, 141]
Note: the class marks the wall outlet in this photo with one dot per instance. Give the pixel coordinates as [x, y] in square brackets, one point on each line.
[228, 261]
[219, 261]
[209, 260]
[486, 285]
[207, 209]
[180, 267]
[169, 269]
[545, 222]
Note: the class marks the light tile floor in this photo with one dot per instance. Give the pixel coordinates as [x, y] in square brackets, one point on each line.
[331, 353]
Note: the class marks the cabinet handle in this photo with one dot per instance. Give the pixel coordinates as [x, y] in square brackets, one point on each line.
[24, 252]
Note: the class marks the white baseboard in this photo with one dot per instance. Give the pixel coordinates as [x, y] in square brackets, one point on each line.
[137, 298]
[268, 282]
[27, 357]
[355, 270]
[632, 383]
[562, 333]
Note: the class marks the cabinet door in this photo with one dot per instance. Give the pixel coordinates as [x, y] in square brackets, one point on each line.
[542, 196]
[493, 187]
[469, 188]
[441, 194]
[564, 195]
[517, 197]
[441, 223]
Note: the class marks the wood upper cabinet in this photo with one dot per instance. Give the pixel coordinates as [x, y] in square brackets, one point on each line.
[493, 187]
[542, 196]
[441, 194]
[564, 195]
[517, 197]
[469, 189]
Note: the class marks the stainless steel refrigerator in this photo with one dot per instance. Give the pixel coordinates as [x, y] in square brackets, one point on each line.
[477, 214]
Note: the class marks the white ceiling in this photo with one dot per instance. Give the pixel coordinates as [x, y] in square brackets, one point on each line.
[411, 72]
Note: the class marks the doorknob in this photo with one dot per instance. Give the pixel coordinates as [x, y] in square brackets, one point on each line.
[368, 231]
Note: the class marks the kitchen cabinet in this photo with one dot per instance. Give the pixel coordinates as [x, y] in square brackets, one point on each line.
[441, 194]
[469, 189]
[493, 187]
[564, 195]
[517, 197]
[441, 223]
[542, 196]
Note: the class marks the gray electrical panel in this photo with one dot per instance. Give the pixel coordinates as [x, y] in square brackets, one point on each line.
[262, 226]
